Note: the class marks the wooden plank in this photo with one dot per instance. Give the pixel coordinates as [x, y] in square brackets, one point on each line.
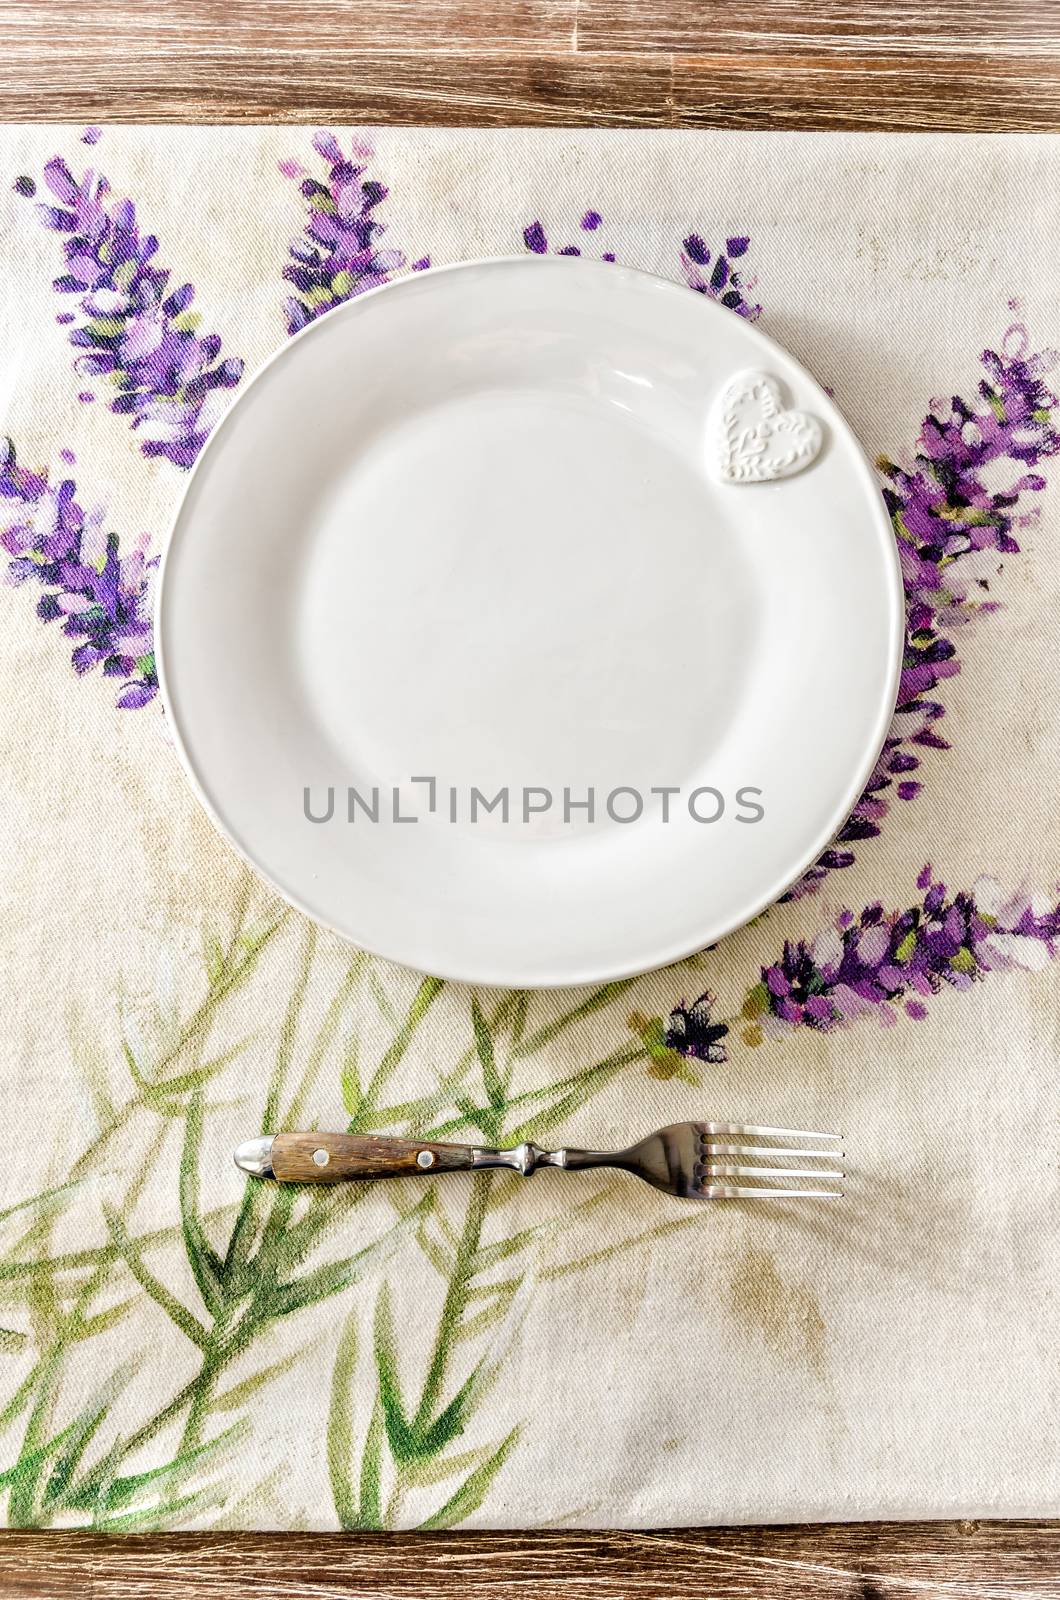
[988, 1561]
[830, 29]
[491, 90]
[951, 92]
[255, 27]
[856, 64]
[496, 90]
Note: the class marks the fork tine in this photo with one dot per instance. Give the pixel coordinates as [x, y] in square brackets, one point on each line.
[727, 1191]
[770, 1133]
[722, 1169]
[770, 1150]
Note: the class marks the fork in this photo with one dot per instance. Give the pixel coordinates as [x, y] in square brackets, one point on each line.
[693, 1160]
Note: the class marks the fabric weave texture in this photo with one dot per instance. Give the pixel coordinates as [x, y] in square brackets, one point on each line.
[181, 1349]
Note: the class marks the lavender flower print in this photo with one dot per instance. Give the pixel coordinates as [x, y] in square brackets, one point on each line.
[879, 963]
[338, 255]
[952, 528]
[101, 597]
[127, 328]
[675, 1049]
[691, 1030]
[536, 240]
[718, 278]
[722, 282]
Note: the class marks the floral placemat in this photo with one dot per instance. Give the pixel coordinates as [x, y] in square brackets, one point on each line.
[179, 1349]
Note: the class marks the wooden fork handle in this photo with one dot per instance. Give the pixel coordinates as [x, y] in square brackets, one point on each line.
[342, 1157]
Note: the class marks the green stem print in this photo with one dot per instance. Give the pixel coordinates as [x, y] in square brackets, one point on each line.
[413, 1446]
[196, 1326]
[78, 1260]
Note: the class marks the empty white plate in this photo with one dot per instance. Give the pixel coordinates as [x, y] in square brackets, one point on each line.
[500, 527]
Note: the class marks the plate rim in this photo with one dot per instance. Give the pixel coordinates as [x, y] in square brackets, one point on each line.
[895, 598]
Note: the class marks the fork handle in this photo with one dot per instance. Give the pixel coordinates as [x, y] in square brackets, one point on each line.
[345, 1157]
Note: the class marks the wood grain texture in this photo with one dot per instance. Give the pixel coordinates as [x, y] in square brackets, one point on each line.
[318, 28]
[892, 1561]
[884, 94]
[451, 89]
[828, 30]
[360, 1155]
[851, 64]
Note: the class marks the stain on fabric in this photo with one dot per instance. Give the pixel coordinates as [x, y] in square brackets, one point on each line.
[787, 1315]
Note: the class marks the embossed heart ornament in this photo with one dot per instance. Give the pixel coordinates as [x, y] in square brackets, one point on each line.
[756, 439]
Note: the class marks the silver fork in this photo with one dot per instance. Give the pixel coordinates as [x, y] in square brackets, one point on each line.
[693, 1160]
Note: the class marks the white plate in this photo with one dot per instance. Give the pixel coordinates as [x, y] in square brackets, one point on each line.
[476, 526]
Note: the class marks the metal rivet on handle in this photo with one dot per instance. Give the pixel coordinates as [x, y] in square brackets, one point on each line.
[321, 1158]
[425, 1158]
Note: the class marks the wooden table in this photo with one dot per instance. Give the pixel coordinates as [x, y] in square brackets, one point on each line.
[882, 64]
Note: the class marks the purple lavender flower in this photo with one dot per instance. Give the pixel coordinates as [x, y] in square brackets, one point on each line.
[338, 255]
[102, 597]
[691, 1031]
[536, 239]
[721, 282]
[878, 962]
[675, 1048]
[952, 529]
[170, 380]
[716, 276]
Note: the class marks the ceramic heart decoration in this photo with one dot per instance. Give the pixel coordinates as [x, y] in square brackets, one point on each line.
[756, 439]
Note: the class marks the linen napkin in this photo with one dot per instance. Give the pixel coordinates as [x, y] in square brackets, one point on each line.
[180, 1348]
